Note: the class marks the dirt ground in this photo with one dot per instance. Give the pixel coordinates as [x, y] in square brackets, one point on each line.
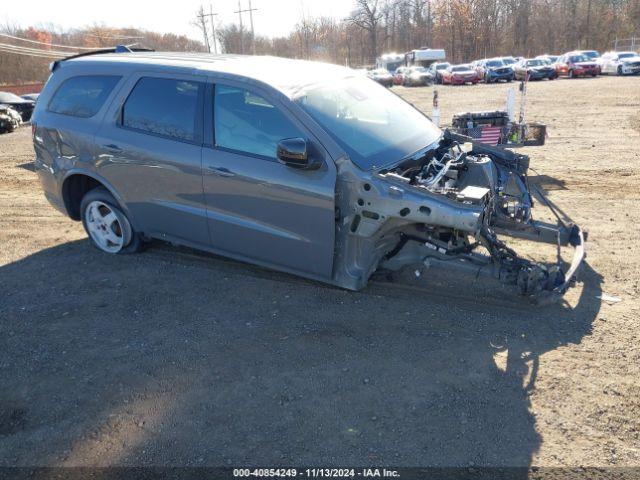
[175, 358]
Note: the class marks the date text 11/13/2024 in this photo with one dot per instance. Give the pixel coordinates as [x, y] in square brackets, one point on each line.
[315, 472]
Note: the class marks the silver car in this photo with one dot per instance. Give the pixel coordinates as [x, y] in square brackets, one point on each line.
[304, 167]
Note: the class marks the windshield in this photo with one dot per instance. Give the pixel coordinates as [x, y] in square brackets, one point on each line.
[495, 63]
[442, 66]
[591, 54]
[374, 126]
[460, 68]
[10, 97]
[627, 55]
[418, 69]
[509, 60]
[535, 63]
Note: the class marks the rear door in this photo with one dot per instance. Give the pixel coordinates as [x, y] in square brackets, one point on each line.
[257, 208]
[150, 149]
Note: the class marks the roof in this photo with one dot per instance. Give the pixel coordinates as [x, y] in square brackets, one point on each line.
[284, 74]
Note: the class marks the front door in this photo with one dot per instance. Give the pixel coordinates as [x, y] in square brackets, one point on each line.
[257, 208]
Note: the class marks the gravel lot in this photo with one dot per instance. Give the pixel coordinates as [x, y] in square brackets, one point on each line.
[176, 358]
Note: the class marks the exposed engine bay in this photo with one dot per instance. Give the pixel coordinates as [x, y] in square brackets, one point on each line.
[449, 204]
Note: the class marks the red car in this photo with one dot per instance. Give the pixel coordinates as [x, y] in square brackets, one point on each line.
[576, 65]
[459, 75]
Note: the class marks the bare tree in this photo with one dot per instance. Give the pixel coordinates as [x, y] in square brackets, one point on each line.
[367, 16]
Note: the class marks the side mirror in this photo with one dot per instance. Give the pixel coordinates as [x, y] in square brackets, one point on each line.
[292, 152]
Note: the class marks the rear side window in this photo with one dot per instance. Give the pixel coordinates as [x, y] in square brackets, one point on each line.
[82, 96]
[166, 107]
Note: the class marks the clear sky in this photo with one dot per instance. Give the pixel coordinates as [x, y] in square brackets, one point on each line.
[273, 17]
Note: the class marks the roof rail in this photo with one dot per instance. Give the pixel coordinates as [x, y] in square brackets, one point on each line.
[117, 49]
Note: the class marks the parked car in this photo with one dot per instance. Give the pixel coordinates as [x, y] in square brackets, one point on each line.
[620, 63]
[509, 60]
[399, 74]
[496, 70]
[436, 70]
[382, 76]
[550, 59]
[590, 54]
[323, 174]
[417, 76]
[31, 96]
[22, 106]
[574, 65]
[478, 66]
[459, 75]
[10, 119]
[535, 69]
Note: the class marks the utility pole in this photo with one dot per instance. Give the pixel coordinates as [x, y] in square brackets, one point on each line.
[253, 41]
[213, 29]
[240, 11]
[203, 25]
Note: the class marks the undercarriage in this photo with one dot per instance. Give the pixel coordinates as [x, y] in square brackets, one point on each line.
[451, 204]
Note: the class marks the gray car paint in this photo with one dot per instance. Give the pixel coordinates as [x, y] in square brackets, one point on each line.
[333, 224]
[160, 179]
[258, 210]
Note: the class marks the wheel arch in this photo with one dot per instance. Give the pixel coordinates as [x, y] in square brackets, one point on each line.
[77, 183]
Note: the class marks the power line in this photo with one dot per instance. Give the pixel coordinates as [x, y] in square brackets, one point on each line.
[44, 43]
[51, 53]
[113, 37]
[32, 54]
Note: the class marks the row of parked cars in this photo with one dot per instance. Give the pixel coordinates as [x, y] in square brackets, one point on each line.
[15, 110]
[578, 63]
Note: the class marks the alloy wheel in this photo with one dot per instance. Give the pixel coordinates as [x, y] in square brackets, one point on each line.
[105, 226]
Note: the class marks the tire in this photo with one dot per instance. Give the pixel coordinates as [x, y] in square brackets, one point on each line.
[107, 226]
[571, 75]
[620, 70]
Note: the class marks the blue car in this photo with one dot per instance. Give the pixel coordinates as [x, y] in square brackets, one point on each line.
[496, 70]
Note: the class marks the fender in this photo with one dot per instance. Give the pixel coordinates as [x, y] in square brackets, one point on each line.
[105, 183]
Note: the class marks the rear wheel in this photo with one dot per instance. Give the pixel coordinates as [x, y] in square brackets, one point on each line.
[107, 225]
[571, 75]
[619, 69]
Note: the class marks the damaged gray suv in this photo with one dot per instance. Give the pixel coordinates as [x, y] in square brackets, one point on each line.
[304, 167]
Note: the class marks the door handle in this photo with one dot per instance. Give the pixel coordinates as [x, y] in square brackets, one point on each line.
[221, 171]
[112, 147]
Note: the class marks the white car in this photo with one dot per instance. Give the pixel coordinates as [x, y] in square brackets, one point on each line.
[620, 63]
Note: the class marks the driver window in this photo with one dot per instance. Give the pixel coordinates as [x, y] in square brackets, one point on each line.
[246, 122]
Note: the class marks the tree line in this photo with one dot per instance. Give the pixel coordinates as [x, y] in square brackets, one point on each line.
[26, 67]
[466, 29]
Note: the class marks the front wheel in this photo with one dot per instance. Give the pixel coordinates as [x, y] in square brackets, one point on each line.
[571, 74]
[107, 225]
[620, 70]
